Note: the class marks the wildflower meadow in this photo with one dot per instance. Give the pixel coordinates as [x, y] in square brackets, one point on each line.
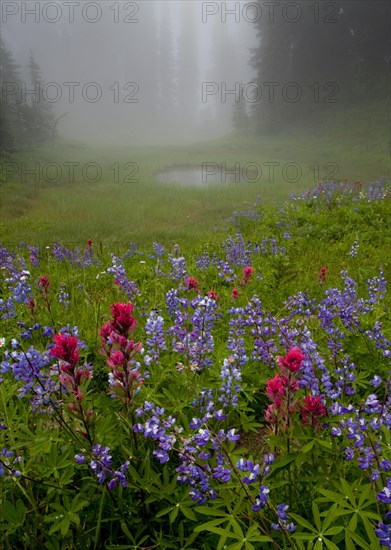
[234, 394]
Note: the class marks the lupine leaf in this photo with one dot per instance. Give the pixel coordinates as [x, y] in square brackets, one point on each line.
[301, 521]
[315, 512]
[208, 525]
[360, 541]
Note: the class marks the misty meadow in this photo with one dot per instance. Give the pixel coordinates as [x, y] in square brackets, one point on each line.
[195, 333]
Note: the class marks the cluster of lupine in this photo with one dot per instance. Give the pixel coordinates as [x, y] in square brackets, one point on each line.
[238, 253]
[156, 340]
[342, 308]
[353, 253]
[34, 255]
[34, 372]
[191, 334]
[132, 251]
[7, 462]
[205, 464]
[249, 214]
[79, 258]
[231, 376]
[17, 282]
[231, 368]
[384, 528]
[63, 296]
[338, 192]
[40, 378]
[158, 250]
[263, 329]
[361, 427]
[204, 458]
[121, 279]
[178, 269]
[101, 464]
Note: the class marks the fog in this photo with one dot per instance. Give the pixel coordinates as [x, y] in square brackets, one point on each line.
[146, 72]
[157, 72]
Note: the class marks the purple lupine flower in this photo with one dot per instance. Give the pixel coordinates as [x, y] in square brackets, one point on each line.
[336, 432]
[158, 249]
[31, 369]
[236, 335]
[385, 493]
[261, 500]
[230, 388]
[353, 253]
[381, 342]
[376, 289]
[200, 339]
[383, 532]
[19, 288]
[224, 474]
[155, 342]
[273, 246]
[101, 463]
[281, 511]
[172, 302]
[121, 279]
[34, 255]
[224, 270]
[232, 436]
[376, 381]
[63, 296]
[203, 261]
[178, 270]
[237, 252]
[48, 332]
[6, 464]
[132, 251]
[349, 454]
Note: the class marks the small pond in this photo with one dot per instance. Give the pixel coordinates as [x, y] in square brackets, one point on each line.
[205, 174]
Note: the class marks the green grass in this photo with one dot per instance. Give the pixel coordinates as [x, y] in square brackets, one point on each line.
[322, 233]
[352, 145]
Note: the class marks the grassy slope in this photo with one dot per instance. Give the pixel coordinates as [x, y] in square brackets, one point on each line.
[356, 146]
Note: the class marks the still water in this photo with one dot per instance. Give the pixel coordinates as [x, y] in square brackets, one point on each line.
[201, 175]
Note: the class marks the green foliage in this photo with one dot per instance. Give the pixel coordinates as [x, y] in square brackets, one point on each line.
[57, 504]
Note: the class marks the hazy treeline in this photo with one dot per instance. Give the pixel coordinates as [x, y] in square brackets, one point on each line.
[174, 71]
[23, 123]
[148, 61]
[330, 52]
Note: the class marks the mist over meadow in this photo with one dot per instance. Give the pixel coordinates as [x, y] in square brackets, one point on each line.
[155, 72]
[131, 72]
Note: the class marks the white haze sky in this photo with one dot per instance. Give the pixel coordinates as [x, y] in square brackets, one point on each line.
[110, 51]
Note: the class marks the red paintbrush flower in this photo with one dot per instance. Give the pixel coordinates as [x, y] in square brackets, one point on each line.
[293, 360]
[322, 275]
[66, 349]
[192, 283]
[312, 410]
[247, 272]
[124, 323]
[274, 387]
[44, 283]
